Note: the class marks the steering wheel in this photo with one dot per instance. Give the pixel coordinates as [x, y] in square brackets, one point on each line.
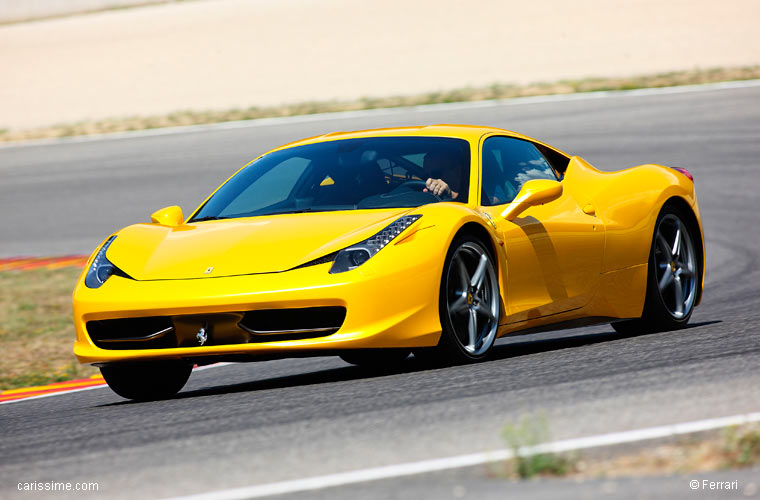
[415, 185]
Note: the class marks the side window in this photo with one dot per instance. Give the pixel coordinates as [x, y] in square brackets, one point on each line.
[555, 159]
[507, 164]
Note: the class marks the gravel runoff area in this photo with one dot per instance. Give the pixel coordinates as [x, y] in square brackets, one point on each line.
[223, 54]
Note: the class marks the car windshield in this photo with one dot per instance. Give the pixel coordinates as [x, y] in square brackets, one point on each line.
[350, 174]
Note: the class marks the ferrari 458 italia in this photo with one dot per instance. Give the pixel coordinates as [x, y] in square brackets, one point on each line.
[376, 244]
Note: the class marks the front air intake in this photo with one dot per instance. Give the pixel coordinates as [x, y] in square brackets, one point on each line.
[133, 333]
[269, 325]
[196, 330]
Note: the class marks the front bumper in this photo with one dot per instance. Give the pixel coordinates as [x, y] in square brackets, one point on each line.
[384, 309]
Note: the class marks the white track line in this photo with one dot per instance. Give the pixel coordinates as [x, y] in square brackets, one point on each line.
[60, 393]
[341, 115]
[411, 468]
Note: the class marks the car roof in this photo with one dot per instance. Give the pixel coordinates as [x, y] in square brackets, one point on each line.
[471, 133]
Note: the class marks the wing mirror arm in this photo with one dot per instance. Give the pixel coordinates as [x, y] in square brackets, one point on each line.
[168, 216]
[518, 206]
[535, 192]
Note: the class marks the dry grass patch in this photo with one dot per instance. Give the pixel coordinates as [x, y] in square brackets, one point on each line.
[36, 328]
[732, 448]
[495, 91]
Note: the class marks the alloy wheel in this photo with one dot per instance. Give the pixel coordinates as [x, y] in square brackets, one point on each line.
[472, 294]
[676, 265]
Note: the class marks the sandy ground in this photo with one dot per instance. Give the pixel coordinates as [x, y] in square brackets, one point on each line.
[217, 54]
[13, 11]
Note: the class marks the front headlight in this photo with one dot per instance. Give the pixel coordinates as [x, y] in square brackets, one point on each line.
[356, 255]
[101, 268]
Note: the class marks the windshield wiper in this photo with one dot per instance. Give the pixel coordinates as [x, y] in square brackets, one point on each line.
[289, 211]
[208, 217]
[312, 209]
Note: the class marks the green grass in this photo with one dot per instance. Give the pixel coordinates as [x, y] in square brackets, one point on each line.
[531, 431]
[70, 371]
[37, 329]
[741, 447]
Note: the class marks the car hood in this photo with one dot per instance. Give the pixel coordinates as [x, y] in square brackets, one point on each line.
[241, 246]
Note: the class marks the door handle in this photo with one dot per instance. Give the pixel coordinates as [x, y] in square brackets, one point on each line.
[589, 209]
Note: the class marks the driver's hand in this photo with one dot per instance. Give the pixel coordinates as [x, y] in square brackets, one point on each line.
[437, 187]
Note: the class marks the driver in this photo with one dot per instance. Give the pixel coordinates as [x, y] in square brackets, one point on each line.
[443, 174]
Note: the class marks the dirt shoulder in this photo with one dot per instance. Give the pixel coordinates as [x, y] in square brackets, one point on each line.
[235, 54]
[492, 92]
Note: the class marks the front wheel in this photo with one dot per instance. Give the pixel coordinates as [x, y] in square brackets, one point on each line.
[146, 381]
[673, 276]
[469, 306]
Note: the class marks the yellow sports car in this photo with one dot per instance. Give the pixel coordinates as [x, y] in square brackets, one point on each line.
[371, 245]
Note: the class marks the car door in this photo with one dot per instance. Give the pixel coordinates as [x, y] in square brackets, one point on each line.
[554, 251]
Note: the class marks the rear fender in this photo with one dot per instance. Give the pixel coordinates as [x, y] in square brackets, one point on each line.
[628, 202]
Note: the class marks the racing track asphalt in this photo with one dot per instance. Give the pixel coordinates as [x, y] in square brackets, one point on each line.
[238, 425]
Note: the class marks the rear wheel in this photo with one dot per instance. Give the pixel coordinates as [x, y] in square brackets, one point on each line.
[146, 381]
[673, 276]
[469, 305]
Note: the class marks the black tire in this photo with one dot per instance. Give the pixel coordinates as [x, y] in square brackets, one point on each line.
[146, 381]
[376, 359]
[677, 274]
[469, 317]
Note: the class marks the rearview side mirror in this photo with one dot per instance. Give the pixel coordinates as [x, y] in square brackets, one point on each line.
[535, 192]
[168, 216]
